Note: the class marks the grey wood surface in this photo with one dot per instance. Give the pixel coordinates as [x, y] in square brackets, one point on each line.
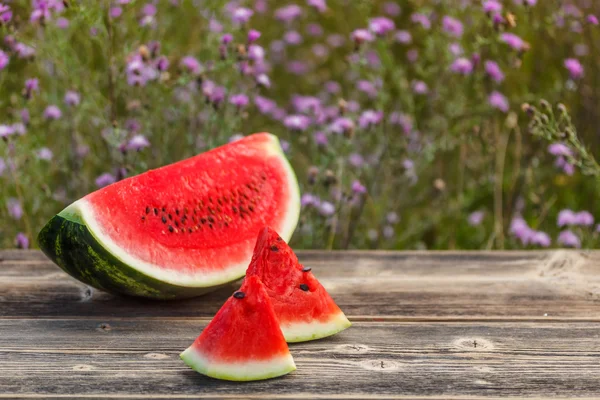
[426, 325]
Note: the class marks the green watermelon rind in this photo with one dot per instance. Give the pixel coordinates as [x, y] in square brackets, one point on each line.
[72, 240]
[306, 331]
[249, 371]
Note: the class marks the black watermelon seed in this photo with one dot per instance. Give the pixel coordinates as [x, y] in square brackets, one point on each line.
[274, 248]
[279, 239]
[177, 224]
[171, 229]
[163, 219]
[251, 208]
[177, 211]
[306, 269]
[156, 211]
[143, 218]
[147, 210]
[235, 210]
[170, 217]
[242, 209]
[219, 201]
[210, 226]
[190, 230]
[203, 220]
[239, 295]
[164, 209]
[185, 210]
[304, 287]
[211, 219]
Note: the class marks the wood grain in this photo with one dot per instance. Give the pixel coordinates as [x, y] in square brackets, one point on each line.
[112, 357]
[367, 285]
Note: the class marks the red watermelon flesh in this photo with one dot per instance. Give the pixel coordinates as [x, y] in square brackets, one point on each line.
[304, 308]
[243, 341]
[192, 224]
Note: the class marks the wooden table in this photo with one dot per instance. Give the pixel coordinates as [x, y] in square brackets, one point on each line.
[425, 324]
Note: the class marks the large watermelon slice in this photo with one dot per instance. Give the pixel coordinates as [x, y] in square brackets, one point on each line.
[180, 230]
[304, 308]
[243, 341]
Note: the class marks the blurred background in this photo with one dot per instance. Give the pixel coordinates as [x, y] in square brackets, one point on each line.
[411, 124]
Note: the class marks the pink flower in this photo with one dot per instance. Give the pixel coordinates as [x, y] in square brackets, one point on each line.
[241, 15]
[288, 13]
[292, 37]
[105, 180]
[342, 125]
[52, 112]
[115, 12]
[462, 66]
[239, 100]
[392, 9]
[72, 98]
[253, 36]
[22, 241]
[574, 67]
[319, 5]
[24, 51]
[569, 239]
[381, 25]
[422, 20]
[369, 118]
[361, 35]
[420, 87]
[494, 71]
[45, 154]
[566, 217]
[452, 26]
[592, 19]
[584, 218]
[62, 23]
[137, 143]
[492, 7]
[499, 101]
[15, 210]
[4, 59]
[296, 122]
[403, 37]
[5, 13]
[513, 41]
[358, 188]
[326, 209]
[559, 149]
[191, 64]
[476, 218]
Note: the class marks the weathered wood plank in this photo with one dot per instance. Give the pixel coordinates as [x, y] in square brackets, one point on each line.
[367, 285]
[112, 357]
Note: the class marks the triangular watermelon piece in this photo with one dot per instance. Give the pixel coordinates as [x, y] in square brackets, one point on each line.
[304, 308]
[243, 342]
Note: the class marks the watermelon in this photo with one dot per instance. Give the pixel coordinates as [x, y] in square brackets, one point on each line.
[180, 230]
[304, 308]
[243, 342]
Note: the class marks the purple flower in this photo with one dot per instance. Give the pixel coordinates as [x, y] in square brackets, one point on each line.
[304, 104]
[313, 29]
[592, 19]
[6, 131]
[45, 154]
[309, 199]
[21, 241]
[191, 64]
[72, 98]
[358, 188]
[342, 125]
[513, 41]
[264, 105]
[137, 143]
[239, 100]
[492, 7]
[4, 59]
[105, 179]
[574, 67]
[326, 208]
[215, 26]
[356, 160]
[455, 49]
[520, 229]
[367, 87]
[381, 25]
[292, 37]
[499, 101]
[5, 13]
[256, 52]
[419, 87]
[320, 139]
[263, 80]
[24, 51]
[476, 218]
[335, 40]
[32, 85]
[241, 15]
[494, 71]
[62, 23]
[296, 122]
[392, 9]
[320, 50]
[253, 36]
[15, 210]
[115, 12]
[566, 217]
[540, 238]
[149, 10]
[403, 37]
[421, 19]
[462, 66]
[320, 5]
[228, 38]
[332, 87]
[452, 26]
[559, 149]
[361, 35]
[584, 218]
[52, 112]
[569, 238]
[369, 118]
[288, 13]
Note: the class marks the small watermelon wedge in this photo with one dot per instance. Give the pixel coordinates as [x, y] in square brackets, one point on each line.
[304, 308]
[181, 230]
[243, 342]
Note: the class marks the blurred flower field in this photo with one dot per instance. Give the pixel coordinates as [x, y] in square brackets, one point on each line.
[418, 124]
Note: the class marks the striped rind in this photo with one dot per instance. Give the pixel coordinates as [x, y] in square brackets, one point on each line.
[250, 370]
[305, 331]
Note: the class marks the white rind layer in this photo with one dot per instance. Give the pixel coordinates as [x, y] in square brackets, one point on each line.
[81, 211]
[305, 331]
[242, 371]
